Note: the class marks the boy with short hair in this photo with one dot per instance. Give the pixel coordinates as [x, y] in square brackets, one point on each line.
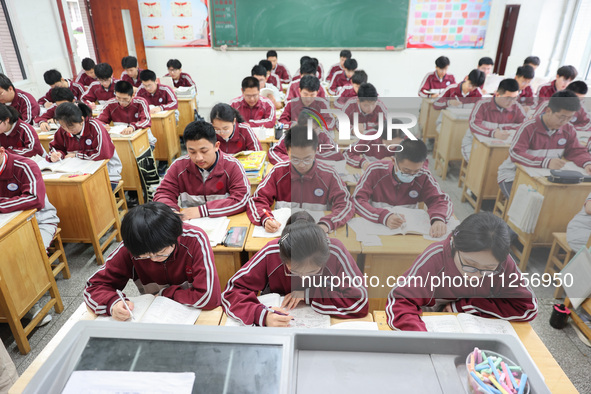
[402, 181]
[160, 97]
[205, 182]
[55, 80]
[350, 91]
[103, 89]
[465, 92]
[260, 73]
[293, 91]
[486, 64]
[524, 76]
[580, 121]
[163, 256]
[343, 56]
[86, 76]
[564, 76]
[257, 111]
[342, 78]
[381, 148]
[309, 87]
[532, 61]
[131, 72]
[278, 68]
[23, 102]
[127, 109]
[368, 107]
[179, 78]
[272, 78]
[439, 79]
[58, 96]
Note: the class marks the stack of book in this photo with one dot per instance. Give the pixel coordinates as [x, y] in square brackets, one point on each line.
[254, 164]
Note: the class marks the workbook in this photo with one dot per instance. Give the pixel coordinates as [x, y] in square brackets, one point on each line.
[464, 322]
[71, 165]
[215, 228]
[150, 309]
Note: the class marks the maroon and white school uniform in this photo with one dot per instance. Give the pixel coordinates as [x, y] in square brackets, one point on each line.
[378, 190]
[84, 80]
[580, 119]
[347, 93]
[320, 189]
[163, 97]
[26, 105]
[22, 140]
[535, 145]
[262, 114]
[281, 71]
[47, 115]
[376, 150]
[338, 82]
[265, 271]
[547, 90]
[369, 121]
[274, 80]
[96, 92]
[242, 138]
[294, 90]
[188, 276]
[526, 97]
[184, 80]
[432, 81]
[137, 82]
[333, 69]
[221, 190]
[489, 299]
[319, 73]
[76, 89]
[455, 91]
[326, 150]
[136, 114]
[292, 111]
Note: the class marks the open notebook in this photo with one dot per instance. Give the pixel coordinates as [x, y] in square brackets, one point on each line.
[282, 215]
[467, 323]
[304, 316]
[150, 309]
[215, 228]
[71, 165]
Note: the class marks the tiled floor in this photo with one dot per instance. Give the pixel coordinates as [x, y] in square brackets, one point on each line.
[572, 355]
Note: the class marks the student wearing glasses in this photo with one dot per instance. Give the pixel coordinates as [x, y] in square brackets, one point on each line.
[163, 256]
[303, 250]
[470, 265]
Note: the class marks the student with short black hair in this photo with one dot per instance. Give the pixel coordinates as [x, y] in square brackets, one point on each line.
[546, 141]
[272, 78]
[131, 72]
[479, 247]
[278, 68]
[303, 250]
[308, 68]
[437, 80]
[205, 182]
[163, 256]
[318, 69]
[524, 76]
[350, 91]
[179, 78]
[368, 107]
[303, 182]
[126, 109]
[159, 97]
[233, 134]
[257, 111]
[260, 73]
[465, 92]
[581, 120]
[486, 64]
[402, 181]
[58, 96]
[382, 148]
[343, 56]
[23, 102]
[16, 136]
[532, 61]
[342, 78]
[564, 76]
[103, 89]
[55, 80]
[86, 76]
[83, 137]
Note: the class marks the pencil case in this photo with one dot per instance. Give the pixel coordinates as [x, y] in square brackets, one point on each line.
[235, 237]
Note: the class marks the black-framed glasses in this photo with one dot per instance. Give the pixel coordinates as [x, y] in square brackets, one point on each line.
[471, 269]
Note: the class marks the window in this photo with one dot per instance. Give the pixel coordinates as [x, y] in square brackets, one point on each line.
[578, 52]
[11, 63]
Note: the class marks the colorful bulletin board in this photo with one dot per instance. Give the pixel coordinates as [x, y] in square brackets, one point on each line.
[447, 23]
[173, 23]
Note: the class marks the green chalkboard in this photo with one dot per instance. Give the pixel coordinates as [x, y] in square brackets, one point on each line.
[309, 23]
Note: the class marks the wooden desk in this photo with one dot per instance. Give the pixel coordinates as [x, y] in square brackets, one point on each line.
[86, 207]
[168, 146]
[333, 320]
[128, 148]
[561, 203]
[227, 260]
[252, 244]
[266, 142]
[45, 139]
[449, 142]
[481, 174]
[428, 119]
[187, 108]
[554, 376]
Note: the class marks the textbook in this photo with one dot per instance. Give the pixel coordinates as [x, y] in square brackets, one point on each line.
[151, 309]
[71, 165]
[253, 161]
[464, 322]
[215, 228]
[52, 129]
[185, 91]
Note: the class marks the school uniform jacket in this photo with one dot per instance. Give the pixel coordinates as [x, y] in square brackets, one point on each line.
[282, 73]
[333, 69]
[223, 192]
[371, 120]
[188, 276]
[292, 111]
[534, 146]
[378, 190]
[403, 308]
[274, 80]
[338, 81]
[26, 105]
[547, 89]
[526, 97]
[22, 188]
[432, 81]
[294, 91]
[49, 114]
[261, 115]
[242, 138]
[580, 120]
[184, 80]
[347, 93]
[136, 114]
[319, 73]
[96, 92]
[163, 97]
[377, 150]
[326, 150]
[321, 189]
[265, 271]
[135, 82]
[84, 80]
[455, 91]
[76, 89]
[22, 140]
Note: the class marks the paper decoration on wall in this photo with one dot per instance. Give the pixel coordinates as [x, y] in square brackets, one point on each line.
[173, 23]
[450, 24]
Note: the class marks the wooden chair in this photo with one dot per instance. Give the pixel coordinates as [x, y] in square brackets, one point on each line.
[560, 255]
[463, 172]
[57, 256]
[500, 205]
[120, 200]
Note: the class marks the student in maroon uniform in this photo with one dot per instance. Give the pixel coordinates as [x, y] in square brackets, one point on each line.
[302, 251]
[478, 247]
[232, 133]
[161, 97]
[343, 56]
[257, 111]
[54, 79]
[126, 109]
[437, 80]
[179, 78]
[131, 72]
[546, 141]
[272, 78]
[308, 97]
[402, 181]
[342, 78]
[86, 76]
[368, 109]
[83, 137]
[317, 66]
[23, 102]
[58, 96]
[17, 136]
[497, 117]
[260, 73]
[350, 91]
[564, 76]
[302, 183]
[380, 149]
[207, 181]
[486, 64]
[532, 61]
[308, 68]
[163, 256]
[524, 76]
[103, 89]
[461, 93]
[278, 68]
[580, 121]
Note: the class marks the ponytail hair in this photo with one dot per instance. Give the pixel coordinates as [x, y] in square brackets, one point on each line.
[9, 113]
[225, 112]
[71, 113]
[303, 239]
